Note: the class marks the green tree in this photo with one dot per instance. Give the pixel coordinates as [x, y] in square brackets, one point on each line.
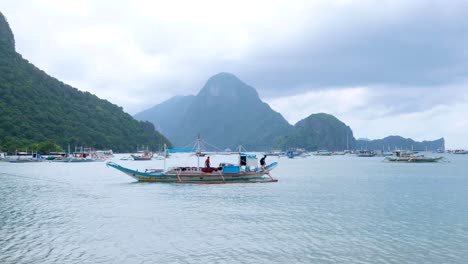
[35, 107]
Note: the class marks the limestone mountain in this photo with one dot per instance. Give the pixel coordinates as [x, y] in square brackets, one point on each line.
[226, 113]
[35, 107]
[397, 142]
[319, 131]
[165, 115]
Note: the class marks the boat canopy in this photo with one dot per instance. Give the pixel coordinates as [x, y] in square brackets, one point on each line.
[248, 160]
[180, 150]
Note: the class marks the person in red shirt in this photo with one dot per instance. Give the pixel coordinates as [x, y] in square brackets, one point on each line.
[207, 162]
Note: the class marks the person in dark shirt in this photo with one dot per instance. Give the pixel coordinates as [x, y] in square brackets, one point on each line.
[262, 162]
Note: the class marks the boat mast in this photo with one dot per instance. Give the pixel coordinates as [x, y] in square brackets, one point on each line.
[165, 156]
[198, 152]
[240, 149]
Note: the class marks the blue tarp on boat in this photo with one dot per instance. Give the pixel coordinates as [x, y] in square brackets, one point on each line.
[180, 150]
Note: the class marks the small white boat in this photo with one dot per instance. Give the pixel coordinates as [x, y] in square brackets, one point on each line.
[25, 157]
[338, 153]
[145, 155]
[403, 157]
[322, 152]
[104, 154]
[82, 157]
[366, 153]
[420, 158]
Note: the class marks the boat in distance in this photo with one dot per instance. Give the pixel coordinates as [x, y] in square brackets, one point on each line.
[322, 152]
[401, 156]
[143, 155]
[366, 153]
[413, 159]
[245, 172]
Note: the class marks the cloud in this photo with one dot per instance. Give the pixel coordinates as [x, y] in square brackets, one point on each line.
[417, 44]
[278, 46]
[322, 101]
[408, 56]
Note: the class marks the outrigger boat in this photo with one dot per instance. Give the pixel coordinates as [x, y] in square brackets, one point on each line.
[145, 155]
[366, 153]
[322, 152]
[413, 159]
[246, 172]
[403, 157]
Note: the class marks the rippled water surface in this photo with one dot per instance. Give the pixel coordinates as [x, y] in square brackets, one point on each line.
[340, 209]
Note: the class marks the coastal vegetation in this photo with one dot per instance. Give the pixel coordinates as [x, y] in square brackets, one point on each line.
[37, 108]
[319, 131]
[24, 145]
[398, 142]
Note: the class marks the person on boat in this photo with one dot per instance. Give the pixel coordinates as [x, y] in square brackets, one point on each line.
[207, 162]
[262, 162]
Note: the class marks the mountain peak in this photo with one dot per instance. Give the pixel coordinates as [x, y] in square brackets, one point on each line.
[320, 131]
[7, 40]
[227, 85]
[224, 75]
[226, 112]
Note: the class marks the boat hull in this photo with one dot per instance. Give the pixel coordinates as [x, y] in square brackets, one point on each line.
[197, 176]
[135, 157]
[413, 159]
[81, 160]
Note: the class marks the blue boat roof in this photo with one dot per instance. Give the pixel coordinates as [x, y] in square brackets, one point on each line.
[180, 150]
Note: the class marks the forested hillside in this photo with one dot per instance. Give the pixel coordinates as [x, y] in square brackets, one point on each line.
[397, 142]
[319, 131]
[35, 107]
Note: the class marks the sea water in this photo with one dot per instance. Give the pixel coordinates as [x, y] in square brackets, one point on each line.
[339, 209]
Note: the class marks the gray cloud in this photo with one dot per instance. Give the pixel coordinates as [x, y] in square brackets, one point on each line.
[424, 46]
[417, 44]
[394, 101]
[410, 56]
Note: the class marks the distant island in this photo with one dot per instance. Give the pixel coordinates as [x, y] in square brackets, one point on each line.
[396, 142]
[228, 112]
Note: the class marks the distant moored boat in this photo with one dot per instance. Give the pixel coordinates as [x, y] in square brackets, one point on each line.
[402, 157]
[322, 152]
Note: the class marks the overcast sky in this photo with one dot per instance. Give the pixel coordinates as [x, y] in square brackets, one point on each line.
[382, 67]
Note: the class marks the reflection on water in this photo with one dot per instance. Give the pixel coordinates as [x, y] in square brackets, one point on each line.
[323, 210]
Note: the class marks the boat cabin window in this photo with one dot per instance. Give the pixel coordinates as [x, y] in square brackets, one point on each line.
[243, 160]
